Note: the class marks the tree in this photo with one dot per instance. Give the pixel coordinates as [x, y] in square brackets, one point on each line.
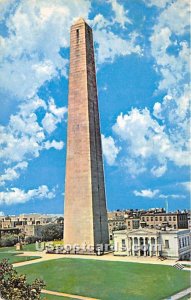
[14, 286]
[60, 220]
[52, 232]
[8, 240]
[31, 239]
[119, 227]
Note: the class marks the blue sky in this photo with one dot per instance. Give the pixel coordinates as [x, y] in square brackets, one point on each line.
[142, 52]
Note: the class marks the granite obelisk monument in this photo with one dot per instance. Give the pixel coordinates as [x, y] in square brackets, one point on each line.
[85, 214]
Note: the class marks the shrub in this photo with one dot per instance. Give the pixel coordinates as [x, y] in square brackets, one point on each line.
[31, 239]
[8, 240]
[14, 286]
[52, 232]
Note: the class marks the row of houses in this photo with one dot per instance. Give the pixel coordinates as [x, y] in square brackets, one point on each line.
[27, 224]
[153, 219]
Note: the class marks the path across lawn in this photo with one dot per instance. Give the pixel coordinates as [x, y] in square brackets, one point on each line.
[108, 280]
[78, 297]
[13, 258]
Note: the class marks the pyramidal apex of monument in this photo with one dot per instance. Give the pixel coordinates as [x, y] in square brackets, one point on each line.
[79, 21]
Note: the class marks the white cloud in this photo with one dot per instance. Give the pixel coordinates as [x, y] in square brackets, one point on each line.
[111, 45]
[157, 110]
[173, 66]
[159, 3]
[51, 120]
[120, 13]
[11, 174]
[172, 196]
[152, 140]
[53, 117]
[146, 139]
[28, 56]
[159, 171]
[110, 150]
[134, 167]
[15, 195]
[187, 186]
[23, 138]
[54, 144]
[1, 214]
[148, 193]
[5, 6]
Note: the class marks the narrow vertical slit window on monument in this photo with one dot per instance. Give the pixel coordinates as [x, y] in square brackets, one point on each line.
[77, 35]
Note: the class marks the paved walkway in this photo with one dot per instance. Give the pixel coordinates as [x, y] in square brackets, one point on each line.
[107, 257]
[180, 295]
[67, 295]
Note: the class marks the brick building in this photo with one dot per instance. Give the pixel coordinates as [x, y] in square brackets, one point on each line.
[175, 220]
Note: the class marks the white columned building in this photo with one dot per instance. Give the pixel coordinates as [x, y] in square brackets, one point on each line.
[151, 242]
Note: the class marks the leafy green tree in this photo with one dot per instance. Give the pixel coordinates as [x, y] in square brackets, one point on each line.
[60, 220]
[52, 232]
[119, 227]
[14, 286]
[8, 240]
[31, 239]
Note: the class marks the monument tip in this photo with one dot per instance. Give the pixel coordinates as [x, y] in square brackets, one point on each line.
[79, 20]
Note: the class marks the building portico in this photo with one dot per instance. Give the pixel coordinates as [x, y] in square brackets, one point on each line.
[138, 242]
[151, 242]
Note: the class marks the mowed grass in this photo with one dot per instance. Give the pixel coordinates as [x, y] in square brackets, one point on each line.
[52, 297]
[108, 280]
[29, 247]
[11, 254]
[12, 258]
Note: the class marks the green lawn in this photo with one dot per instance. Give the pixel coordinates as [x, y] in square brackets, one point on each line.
[10, 253]
[183, 298]
[29, 247]
[12, 258]
[50, 297]
[109, 280]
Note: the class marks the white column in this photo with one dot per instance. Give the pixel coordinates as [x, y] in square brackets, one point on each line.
[116, 246]
[152, 251]
[133, 246]
[149, 247]
[128, 243]
[156, 247]
[139, 247]
[144, 242]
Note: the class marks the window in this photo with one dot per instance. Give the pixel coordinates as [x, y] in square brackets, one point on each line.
[170, 218]
[156, 218]
[167, 244]
[165, 218]
[123, 244]
[174, 226]
[143, 218]
[147, 218]
[129, 224]
[77, 35]
[174, 218]
[160, 218]
[151, 218]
